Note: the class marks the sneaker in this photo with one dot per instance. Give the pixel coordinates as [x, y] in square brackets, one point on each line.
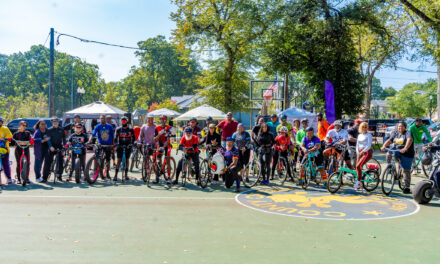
[156, 181]
[11, 181]
[108, 177]
[43, 181]
[59, 178]
[126, 178]
[168, 182]
[357, 185]
[262, 182]
[39, 179]
[175, 182]
[406, 191]
[267, 182]
[115, 178]
[213, 182]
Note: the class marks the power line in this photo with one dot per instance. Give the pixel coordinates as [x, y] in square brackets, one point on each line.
[108, 44]
[410, 70]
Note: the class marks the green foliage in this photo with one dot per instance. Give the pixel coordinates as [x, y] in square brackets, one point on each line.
[414, 99]
[169, 104]
[378, 93]
[29, 105]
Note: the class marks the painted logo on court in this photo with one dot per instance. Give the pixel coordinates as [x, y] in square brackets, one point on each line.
[320, 204]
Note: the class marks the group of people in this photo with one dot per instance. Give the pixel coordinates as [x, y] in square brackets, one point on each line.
[267, 140]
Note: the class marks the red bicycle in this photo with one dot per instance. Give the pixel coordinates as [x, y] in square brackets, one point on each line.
[165, 166]
[24, 162]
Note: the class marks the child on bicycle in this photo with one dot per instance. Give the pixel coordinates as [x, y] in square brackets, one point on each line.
[188, 144]
[78, 140]
[282, 143]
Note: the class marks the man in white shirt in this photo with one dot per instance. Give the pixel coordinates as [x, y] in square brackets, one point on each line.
[336, 141]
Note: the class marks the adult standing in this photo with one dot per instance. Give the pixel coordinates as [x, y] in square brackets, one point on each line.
[57, 140]
[273, 124]
[105, 134]
[124, 137]
[404, 142]
[5, 138]
[418, 129]
[363, 150]
[196, 130]
[41, 148]
[302, 132]
[228, 127]
[322, 127]
[265, 142]
[242, 140]
[256, 129]
[213, 139]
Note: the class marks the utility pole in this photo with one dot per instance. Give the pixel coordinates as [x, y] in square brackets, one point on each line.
[51, 74]
[286, 92]
[71, 88]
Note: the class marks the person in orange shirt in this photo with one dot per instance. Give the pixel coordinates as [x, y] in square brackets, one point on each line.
[322, 127]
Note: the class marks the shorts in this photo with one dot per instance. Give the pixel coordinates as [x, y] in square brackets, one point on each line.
[120, 152]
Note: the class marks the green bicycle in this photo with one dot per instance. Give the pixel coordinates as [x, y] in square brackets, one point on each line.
[309, 172]
[370, 179]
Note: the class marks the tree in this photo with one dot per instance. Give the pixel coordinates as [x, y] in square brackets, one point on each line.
[378, 93]
[315, 39]
[424, 16]
[169, 104]
[29, 105]
[232, 28]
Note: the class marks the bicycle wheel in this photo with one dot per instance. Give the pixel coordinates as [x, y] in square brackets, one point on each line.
[388, 178]
[24, 171]
[253, 171]
[373, 161]
[134, 160]
[147, 169]
[334, 182]
[91, 173]
[169, 174]
[67, 165]
[370, 180]
[282, 170]
[77, 168]
[204, 173]
[138, 159]
[185, 173]
[331, 165]
[401, 179]
[427, 170]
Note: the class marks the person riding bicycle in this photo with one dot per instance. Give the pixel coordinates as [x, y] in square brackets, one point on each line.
[189, 140]
[56, 143]
[162, 137]
[22, 135]
[212, 139]
[292, 141]
[105, 134]
[124, 136]
[282, 143]
[363, 151]
[265, 141]
[78, 140]
[242, 142]
[335, 137]
[404, 142]
[232, 165]
[418, 130]
[311, 145]
[5, 138]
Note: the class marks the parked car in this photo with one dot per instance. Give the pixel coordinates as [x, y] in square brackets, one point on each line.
[409, 121]
[13, 124]
[378, 127]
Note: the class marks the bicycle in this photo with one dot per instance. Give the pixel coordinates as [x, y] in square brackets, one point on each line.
[335, 159]
[67, 162]
[252, 169]
[124, 159]
[147, 163]
[353, 157]
[206, 168]
[427, 169]
[54, 166]
[187, 166]
[135, 158]
[23, 162]
[95, 165]
[309, 171]
[75, 153]
[282, 167]
[167, 167]
[391, 175]
[369, 180]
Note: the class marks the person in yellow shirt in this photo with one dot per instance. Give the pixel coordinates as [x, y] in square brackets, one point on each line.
[5, 138]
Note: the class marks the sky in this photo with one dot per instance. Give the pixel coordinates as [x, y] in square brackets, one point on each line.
[24, 23]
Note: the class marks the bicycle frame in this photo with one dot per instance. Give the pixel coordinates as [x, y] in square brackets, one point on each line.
[23, 147]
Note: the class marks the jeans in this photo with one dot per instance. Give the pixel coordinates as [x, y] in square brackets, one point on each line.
[38, 163]
[5, 165]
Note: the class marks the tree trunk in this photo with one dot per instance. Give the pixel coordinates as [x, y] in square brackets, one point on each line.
[286, 92]
[438, 89]
[368, 97]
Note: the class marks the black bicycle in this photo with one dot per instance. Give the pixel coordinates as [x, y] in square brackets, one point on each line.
[75, 153]
[54, 167]
[97, 165]
[136, 157]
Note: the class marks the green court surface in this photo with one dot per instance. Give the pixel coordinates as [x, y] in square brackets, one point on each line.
[131, 223]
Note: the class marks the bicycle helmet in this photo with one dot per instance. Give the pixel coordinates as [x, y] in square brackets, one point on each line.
[273, 115]
[283, 117]
[230, 139]
[283, 129]
[164, 117]
[124, 118]
[75, 116]
[54, 118]
[309, 129]
[338, 123]
[304, 120]
[188, 130]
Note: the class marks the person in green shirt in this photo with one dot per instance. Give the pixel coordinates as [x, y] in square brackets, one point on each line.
[302, 132]
[418, 129]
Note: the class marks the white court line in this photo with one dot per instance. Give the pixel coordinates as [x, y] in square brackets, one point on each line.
[116, 197]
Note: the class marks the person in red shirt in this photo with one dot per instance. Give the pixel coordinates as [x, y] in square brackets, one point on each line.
[188, 144]
[282, 143]
[228, 127]
[162, 137]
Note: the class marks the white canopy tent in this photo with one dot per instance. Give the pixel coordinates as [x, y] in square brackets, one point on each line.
[94, 111]
[202, 112]
[298, 113]
[163, 111]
